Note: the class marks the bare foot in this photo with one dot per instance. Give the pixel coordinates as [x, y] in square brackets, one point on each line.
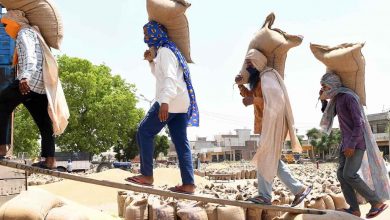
[3, 150]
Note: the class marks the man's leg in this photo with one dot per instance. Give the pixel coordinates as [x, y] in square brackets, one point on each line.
[264, 188]
[149, 127]
[37, 106]
[351, 167]
[178, 130]
[284, 174]
[10, 98]
[348, 191]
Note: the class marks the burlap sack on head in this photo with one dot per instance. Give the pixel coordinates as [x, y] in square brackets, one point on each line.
[274, 44]
[348, 62]
[31, 204]
[170, 13]
[41, 13]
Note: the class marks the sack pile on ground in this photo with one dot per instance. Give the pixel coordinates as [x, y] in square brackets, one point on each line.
[37, 204]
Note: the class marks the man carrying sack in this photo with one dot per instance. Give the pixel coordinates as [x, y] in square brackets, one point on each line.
[37, 86]
[273, 113]
[175, 107]
[357, 139]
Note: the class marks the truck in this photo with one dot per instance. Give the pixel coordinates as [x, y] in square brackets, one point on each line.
[7, 71]
[81, 161]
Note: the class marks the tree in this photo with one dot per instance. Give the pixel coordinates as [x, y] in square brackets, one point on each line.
[161, 145]
[130, 150]
[323, 143]
[102, 107]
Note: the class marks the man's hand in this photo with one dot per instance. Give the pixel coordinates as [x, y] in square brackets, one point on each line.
[23, 86]
[163, 113]
[247, 101]
[148, 55]
[238, 79]
[348, 152]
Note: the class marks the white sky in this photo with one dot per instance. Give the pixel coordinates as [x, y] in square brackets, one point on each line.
[110, 32]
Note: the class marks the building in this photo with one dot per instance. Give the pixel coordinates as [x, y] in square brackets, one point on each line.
[226, 147]
[379, 124]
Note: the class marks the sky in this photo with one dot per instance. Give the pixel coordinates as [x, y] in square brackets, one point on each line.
[110, 32]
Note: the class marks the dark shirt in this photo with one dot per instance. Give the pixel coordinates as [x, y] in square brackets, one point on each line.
[351, 122]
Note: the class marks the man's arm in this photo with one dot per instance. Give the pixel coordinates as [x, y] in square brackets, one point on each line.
[26, 54]
[357, 120]
[169, 65]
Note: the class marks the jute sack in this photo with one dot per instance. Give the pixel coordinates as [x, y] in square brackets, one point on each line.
[253, 214]
[66, 212]
[317, 203]
[339, 201]
[41, 13]
[211, 210]
[348, 62]
[170, 13]
[274, 44]
[121, 198]
[330, 215]
[31, 204]
[137, 210]
[160, 210]
[230, 212]
[192, 213]
[253, 174]
[247, 174]
[329, 204]
[77, 212]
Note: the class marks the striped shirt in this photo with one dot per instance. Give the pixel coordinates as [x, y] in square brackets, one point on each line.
[30, 59]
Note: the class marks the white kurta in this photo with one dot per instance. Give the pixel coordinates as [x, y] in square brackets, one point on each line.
[170, 85]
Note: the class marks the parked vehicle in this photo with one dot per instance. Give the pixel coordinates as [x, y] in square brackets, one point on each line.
[80, 161]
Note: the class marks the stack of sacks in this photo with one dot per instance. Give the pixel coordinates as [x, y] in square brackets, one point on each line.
[37, 204]
[191, 211]
[41, 13]
[31, 204]
[274, 44]
[160, 210]
[170, 13]
[347, 61]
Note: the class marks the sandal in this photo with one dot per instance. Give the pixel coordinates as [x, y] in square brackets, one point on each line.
[376, 211]
[260, 200]
[301, 196]
[350, 211]
[138, 181]
[178, 189]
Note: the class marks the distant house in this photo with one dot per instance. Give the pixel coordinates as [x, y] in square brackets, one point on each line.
[379, 124]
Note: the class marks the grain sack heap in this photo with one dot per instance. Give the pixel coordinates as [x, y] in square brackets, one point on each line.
[347, 61]
[170, 13]
[274, 44]
[44, 15]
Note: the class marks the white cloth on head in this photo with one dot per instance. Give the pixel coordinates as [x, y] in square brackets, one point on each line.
[170, 85]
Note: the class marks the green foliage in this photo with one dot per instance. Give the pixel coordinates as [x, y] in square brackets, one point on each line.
[26, 134]
[161, 145]
[102, 107]
[323, 142]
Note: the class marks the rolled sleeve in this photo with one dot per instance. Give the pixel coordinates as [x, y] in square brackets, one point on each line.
[357, 120]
